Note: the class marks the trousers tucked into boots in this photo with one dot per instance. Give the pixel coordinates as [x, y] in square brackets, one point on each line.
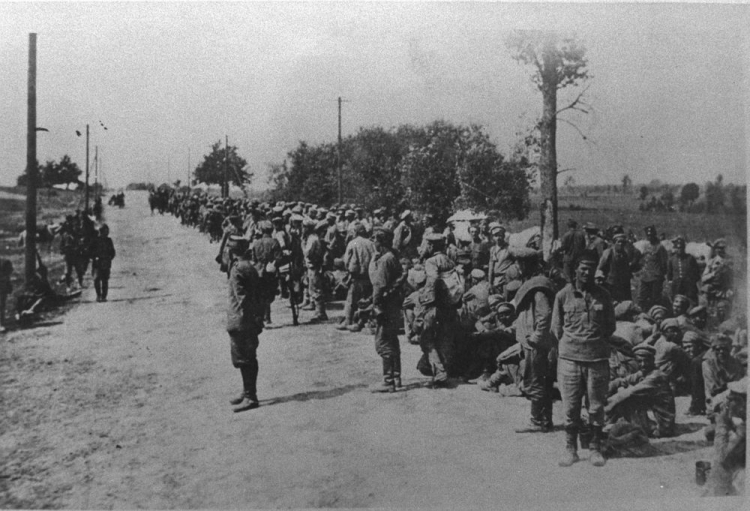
[250, 379]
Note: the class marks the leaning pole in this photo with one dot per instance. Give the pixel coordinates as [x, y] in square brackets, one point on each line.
[31, 170]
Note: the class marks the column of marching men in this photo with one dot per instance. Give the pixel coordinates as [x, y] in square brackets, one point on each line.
[612, 326]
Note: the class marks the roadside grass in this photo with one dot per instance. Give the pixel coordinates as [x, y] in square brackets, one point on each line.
[52, 206]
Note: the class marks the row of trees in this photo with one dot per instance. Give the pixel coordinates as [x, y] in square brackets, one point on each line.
[53, 172]
[435, 169]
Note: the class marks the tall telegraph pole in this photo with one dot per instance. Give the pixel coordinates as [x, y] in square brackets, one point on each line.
[31, 170]
[87, 168]
[226, 167]
[338, 152]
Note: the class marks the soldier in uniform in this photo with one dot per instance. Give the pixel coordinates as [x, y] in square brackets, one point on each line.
[313, 252]
[439, 324]
[244, 321]
[102, 253]
[573, 244]
[533, 315]
[683, 272]
[403, 235]
[616, 266]
[265, 252]
[385, 274]
[583, 319]
[633, 396]
[359, 253]
[653, 264]
[593, 241]
[500, 260]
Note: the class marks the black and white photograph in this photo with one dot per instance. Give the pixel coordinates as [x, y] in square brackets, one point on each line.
[390, 255]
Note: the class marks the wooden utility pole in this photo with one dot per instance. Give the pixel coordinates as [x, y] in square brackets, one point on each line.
[338, 153]
[225, 189]
[31, 170]
[86, 207]
[188, 170]
[96, 168]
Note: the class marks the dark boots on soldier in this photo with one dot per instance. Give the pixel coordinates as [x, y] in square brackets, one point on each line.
[596, 457]
[320, 311]
[571, 449]
[249, 399]
[397, 371]
[537, 423]
[388, 384]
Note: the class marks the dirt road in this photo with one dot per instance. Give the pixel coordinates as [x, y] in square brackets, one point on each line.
[124, 405]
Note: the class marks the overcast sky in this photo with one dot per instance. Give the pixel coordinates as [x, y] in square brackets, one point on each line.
[669, 91]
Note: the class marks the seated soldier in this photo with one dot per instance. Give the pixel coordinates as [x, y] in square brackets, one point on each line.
[671, 358]
[498, 329]
[728, 468]
[719, 369]
[698, 317]
[632, 397]
[680, 307]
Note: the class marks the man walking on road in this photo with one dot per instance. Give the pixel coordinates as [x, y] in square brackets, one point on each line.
[244, 321]
[583, 319]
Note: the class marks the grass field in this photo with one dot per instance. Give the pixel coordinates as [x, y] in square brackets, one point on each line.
[52, 206]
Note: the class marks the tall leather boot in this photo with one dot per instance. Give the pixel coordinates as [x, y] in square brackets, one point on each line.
[547, 412]
[571, 449]
[536, 422]
[98, 288]
[320, 310]
[597, 458]
[105, 290]
[388, 383]
[585, 434]
[397, 370]
[249, 382]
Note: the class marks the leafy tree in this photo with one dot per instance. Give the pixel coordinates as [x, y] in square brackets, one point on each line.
[64, 172]
[689, 194]
[557, 62]
[643, 193]
[23, 179]
[211, 169]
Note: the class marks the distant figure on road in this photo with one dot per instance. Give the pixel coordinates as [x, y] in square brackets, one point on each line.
[102, 253]
[245, 312]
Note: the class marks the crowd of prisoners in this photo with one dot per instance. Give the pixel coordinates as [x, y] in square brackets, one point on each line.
[479, 301]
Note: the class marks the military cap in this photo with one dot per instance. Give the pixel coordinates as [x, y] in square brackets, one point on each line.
[721, 340]
[322, 211]
[650, 229]
[739, 386]
[669, 323]
[434, 237]
[237, 244]
[619, 236]
[280, 204]
[331, 215]
[728, 327]
[321, 225]
[265, 226]
[277, 219]
[618, 229]
[681, 298]
[678, 240]
[478, 274]
[297, 218]
[513, 285]
[588, 257]
[308, 204]
[698, 309]
[278, 210]
[657, 309]
[505, 307]
[644, 350]
[307, 222]
[377, 211]
[359, 208]
[693, 337]
[349, 212]
[297, 210]
[719, 243]
[406, 213]
[494, 226]
[589, 226]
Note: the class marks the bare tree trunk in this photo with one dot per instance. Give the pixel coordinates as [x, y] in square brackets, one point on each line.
[548, 162]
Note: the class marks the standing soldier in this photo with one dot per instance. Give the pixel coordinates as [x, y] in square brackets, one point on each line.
[313, 251]
[616, 267]
[403, 236]
[500, 259]
[653, 263]
[244, 321]
[533, 315]
[683, 272]
[102, 253]
[385, 275]
[359, 253]
[573, 244]
[716, 281]
[593, 241]
[265, 252]
[583, 319]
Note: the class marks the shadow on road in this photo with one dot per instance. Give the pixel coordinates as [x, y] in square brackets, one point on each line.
[130, 300]
[317, 394]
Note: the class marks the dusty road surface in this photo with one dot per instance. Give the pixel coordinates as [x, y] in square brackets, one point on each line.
[125, 405]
